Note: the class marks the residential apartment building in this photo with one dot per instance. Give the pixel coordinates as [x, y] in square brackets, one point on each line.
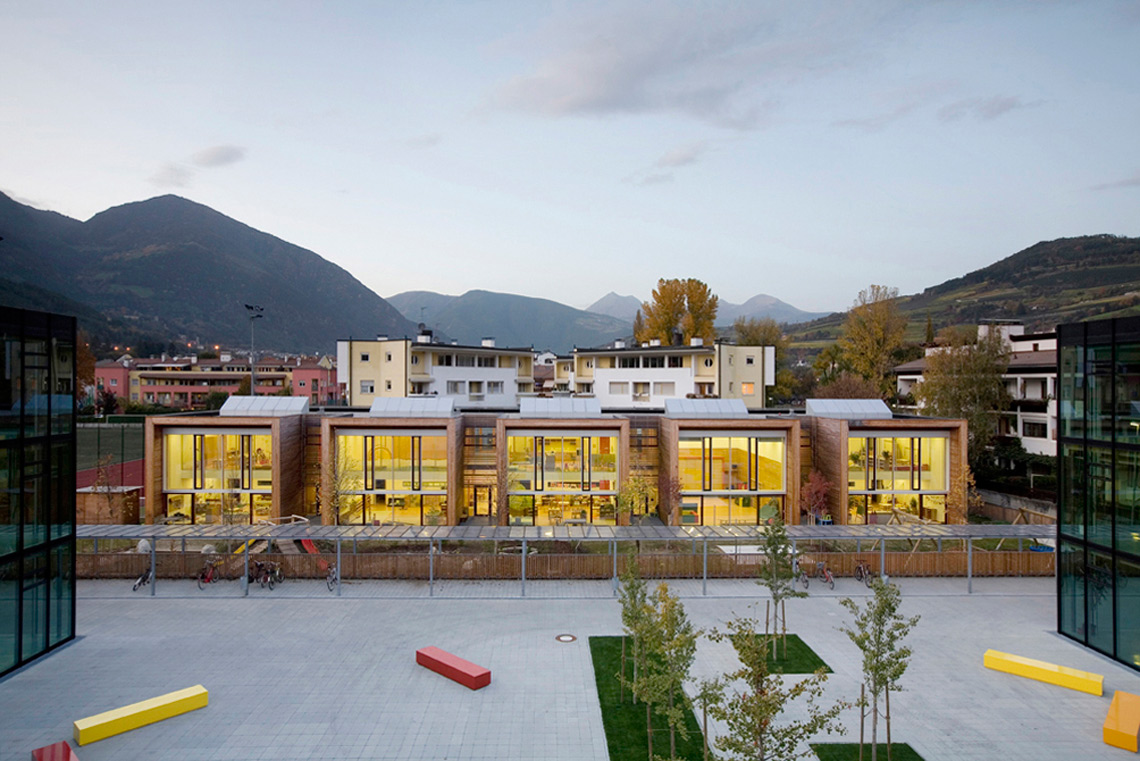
[186, 382]
[1098, 494]
[476, 377]
[1030, 379]
[644, 376]
[554, 461]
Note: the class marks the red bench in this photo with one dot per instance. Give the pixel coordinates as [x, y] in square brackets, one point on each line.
[59, 751]
[453, 667]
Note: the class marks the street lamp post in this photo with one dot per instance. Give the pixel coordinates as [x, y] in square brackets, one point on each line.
[255, 312]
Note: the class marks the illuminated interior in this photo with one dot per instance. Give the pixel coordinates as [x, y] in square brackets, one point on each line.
[905, 473]
[218, 477]
[562, 478]
[731, 478]
[391, 477]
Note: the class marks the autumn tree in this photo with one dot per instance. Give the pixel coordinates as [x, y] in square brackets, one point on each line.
[964, 380]
[848, 386]
[638, 326]
[687, 306]
[765, 331]
[873, 331]
[878, 631]
[814, 495]
[757, 698]
[830, 364]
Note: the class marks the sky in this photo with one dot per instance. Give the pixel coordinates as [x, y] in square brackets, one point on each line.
[564, 150]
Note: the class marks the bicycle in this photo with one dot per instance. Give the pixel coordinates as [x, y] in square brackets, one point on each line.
[142, 580]
[864, 573]
[332, 576]
[276, 573]
[209, 573]
[261, 574]
[799, 574]
[824, 573]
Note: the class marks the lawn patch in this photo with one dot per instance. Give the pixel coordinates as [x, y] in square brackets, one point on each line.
[850, 752]
[801, 659]
[625, 722]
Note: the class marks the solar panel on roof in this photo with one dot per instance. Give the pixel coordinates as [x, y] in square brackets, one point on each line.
[559, 407]
[849, 409]
[705, 408]
[264, 406]
[414, 407]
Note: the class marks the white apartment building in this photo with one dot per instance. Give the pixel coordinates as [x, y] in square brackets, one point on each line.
[1031, 379]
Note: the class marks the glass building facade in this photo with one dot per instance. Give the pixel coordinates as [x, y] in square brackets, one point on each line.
[213, 476]
[887, 472]
[397, 476]
[562, 476]
[731, 477]
[37, 484]
[1098, 500]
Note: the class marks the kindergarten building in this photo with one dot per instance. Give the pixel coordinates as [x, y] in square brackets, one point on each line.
[422, 460]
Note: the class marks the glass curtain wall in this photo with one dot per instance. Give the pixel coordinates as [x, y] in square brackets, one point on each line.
[391, 477]
[905, 473]
[562, 478]
[37, 484]
[1098, 589]
[212, 477]
[731, 478]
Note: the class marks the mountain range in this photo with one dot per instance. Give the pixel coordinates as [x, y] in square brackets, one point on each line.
[761, 305]
[168, 268]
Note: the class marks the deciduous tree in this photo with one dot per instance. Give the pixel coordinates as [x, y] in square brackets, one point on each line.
[878, 631]
[814, 494]
[964, 380]
[873, 330]
[687, 306]
[778, 575]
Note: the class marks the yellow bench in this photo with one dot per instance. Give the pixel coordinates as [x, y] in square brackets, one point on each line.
[1074, 679]
[140, 714]
[1122, 725]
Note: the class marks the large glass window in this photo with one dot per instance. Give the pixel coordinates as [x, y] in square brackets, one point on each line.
[907, 473]
[1072, 391]
[395, 476]
[730, 477]
[561, 477]
[221, 472]
[1071, 605]
[1098, 393]
[1128, 611]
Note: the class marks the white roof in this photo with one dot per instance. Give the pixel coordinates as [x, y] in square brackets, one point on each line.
[559, 407]
[417, 406]
[705, 408]
[849, 409]
[264, 406]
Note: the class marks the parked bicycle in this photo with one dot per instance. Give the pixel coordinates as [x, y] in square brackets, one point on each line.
[142, 580]
[209, 573]
[823, 573]
[799, 574]
[260, 573]
[864, 573]
[332, 576]
[275, 573]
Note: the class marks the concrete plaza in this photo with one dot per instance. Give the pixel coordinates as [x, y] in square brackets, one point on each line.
[301, 674]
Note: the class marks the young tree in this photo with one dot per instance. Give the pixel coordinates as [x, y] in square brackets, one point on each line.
[634, 600]
[105, 483]
[777, 576]
[964, 380]
[878, 630]
[873, 330]
[674, 647]
[687, 306]
[634, 492]
[814, 495]
[758, 697]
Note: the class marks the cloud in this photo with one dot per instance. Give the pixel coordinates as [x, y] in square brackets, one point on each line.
[659, 178]
[897, 104]
[421, 142]
[724, 67]
[985, 109]
[1130, 182]
[172, 176]
[683, 156]
[218, 155]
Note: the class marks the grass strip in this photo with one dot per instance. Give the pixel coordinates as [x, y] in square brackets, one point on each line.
[850, 752]
[800, 658]
[625, 722]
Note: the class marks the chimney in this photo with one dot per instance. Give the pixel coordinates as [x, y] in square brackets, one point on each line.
[225, 356]
[694, 341]
[654, 341]
[489, 342]
[424, 337]
[619, 344]
[194, 359]
[381, 338]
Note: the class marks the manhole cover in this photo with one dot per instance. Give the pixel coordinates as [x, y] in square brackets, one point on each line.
[566, 638]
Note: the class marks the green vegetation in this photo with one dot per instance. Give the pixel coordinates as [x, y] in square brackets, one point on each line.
[798, 658]
[625, 722]
[850, 752]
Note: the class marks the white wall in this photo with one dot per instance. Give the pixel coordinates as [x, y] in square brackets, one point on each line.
[680, 377]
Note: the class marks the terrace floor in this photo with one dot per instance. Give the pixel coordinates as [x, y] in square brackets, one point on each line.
[312, 676]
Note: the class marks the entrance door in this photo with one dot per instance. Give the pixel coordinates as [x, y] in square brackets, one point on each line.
[481, 501]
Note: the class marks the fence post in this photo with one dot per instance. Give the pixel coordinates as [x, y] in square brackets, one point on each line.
[613, 552]
[883, 557]
[969, 565]
[153, 569]
[245, 576]
[705, 567]
[431, 567]
[339, 568]
[523, 558]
